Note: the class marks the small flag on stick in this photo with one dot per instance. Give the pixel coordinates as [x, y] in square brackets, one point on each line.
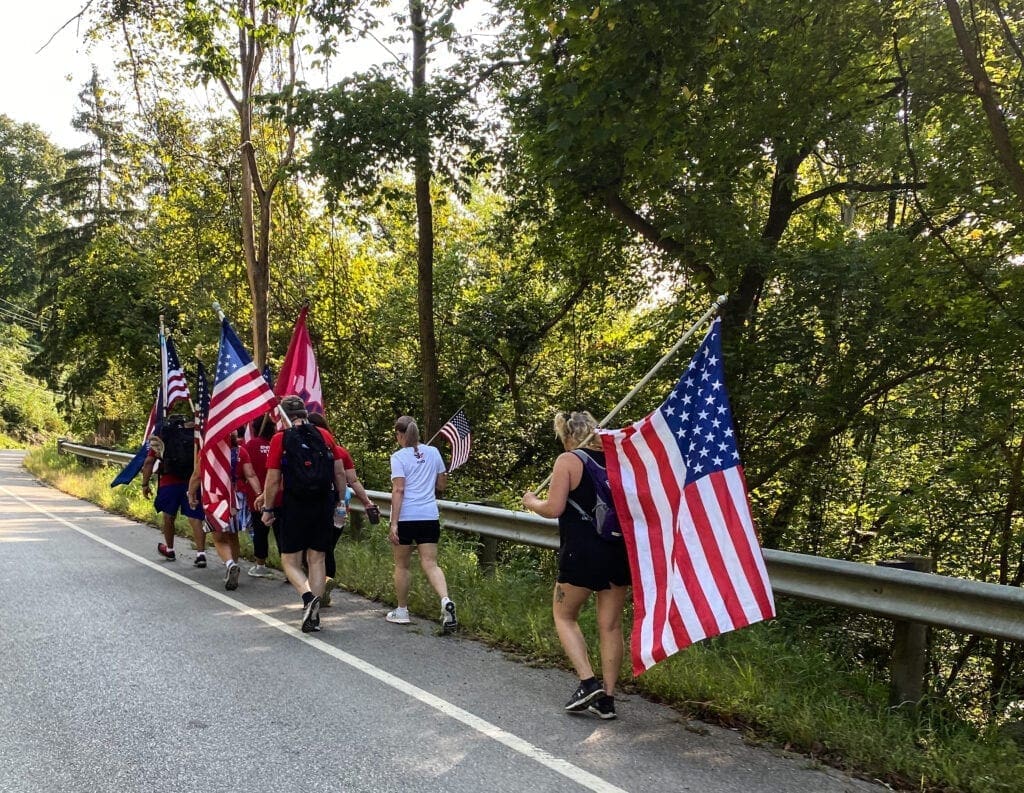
[458, 435]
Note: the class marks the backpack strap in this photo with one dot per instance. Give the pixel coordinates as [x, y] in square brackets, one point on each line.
[589, 464]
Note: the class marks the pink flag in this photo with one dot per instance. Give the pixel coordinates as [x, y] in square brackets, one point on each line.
[299, 374]
[679, 492]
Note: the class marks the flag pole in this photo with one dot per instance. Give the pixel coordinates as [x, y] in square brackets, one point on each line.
[439, 431]
[719, 302]
[220, 315]
[163, 368]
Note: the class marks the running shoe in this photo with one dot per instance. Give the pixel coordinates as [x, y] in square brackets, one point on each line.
[311, 616]
[260, 571]
[399, 616]
[200, 559]
[449, 622]
[587, 692]
[603, 707]
[231, 579]
[167, 553]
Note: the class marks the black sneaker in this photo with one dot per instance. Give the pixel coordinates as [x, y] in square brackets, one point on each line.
[584, 695]
[200, 559]
[311, 616]
[603, 707]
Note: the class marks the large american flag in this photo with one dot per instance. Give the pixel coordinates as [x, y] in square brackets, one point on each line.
[173, 380]
[457, 433]
[239, 395]
[681, 498]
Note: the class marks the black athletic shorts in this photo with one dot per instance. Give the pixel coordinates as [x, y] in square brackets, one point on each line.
[418, 531]
[305, 524]
[593, 563]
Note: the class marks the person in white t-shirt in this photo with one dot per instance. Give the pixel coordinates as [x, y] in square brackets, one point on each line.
[417, 473]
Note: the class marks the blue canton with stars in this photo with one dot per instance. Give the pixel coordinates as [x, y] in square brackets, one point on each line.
[232, 354]
[697, 412]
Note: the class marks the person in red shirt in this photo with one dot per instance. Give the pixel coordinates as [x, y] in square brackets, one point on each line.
[244, 479]
[352, 480]
[258, 447]
[306, 520]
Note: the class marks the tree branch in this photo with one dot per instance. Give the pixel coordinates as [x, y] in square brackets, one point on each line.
[642, 226]
[860, 187]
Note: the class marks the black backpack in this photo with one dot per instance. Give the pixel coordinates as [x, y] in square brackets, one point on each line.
[603, 516]
[307, 464]
[179, 449]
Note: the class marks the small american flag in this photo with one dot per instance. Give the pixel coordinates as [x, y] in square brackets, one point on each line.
[457, 433]
[681, 497]
[174, 384]
[240, 394]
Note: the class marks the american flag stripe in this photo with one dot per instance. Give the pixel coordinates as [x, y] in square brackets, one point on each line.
[456, 430]
[175, 385]
[679, 491]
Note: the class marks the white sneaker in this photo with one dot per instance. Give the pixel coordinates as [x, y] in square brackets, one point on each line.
[399, 616]
[449, 622]
[260, 571]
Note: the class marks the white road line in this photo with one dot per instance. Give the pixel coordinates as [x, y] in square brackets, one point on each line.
[514, 742]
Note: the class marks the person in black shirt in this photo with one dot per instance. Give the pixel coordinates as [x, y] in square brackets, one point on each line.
[587, 564]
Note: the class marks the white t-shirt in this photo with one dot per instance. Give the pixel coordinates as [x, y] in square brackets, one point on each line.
[420, 472]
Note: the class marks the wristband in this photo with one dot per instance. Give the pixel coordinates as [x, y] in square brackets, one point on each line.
[266, 510]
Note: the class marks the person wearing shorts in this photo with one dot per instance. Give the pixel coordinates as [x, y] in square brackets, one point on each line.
[172, 498]
[226, 540]
[306, 522]
[417, 473]
[587, 564]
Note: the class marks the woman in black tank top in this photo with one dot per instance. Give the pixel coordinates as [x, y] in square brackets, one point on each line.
[586, 564]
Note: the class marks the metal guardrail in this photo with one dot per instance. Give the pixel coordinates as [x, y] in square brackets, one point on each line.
[955, 603]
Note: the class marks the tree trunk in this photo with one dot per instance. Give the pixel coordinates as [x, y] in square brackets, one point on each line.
[1005, 152]
[425, 234]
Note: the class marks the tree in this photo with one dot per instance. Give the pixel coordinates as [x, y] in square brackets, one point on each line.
[373, 123]
[250, 49]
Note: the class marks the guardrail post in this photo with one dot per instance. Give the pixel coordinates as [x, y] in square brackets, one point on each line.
[60, 445]
[909, 644]
[487, 549]
[355, 525]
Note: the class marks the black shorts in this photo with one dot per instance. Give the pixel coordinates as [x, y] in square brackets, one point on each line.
[305, 524]
[418, 531]
[593, 563]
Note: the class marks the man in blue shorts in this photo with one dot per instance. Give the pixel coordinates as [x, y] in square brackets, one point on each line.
[172, 487]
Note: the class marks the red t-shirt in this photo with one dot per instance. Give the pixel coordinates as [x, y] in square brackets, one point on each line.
[277, 450]
[257, 449]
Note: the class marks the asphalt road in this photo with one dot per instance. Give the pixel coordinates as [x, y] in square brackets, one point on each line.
[123, 672]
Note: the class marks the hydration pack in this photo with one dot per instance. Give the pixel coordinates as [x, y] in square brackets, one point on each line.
[603, 515]
[179, 448]
[307, 465]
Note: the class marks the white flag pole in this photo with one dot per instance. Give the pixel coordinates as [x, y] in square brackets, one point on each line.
[719, 302]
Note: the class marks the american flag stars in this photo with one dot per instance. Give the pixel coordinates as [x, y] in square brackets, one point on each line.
[698, 410]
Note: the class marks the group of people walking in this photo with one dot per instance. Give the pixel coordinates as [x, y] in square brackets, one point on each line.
[274, 495]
